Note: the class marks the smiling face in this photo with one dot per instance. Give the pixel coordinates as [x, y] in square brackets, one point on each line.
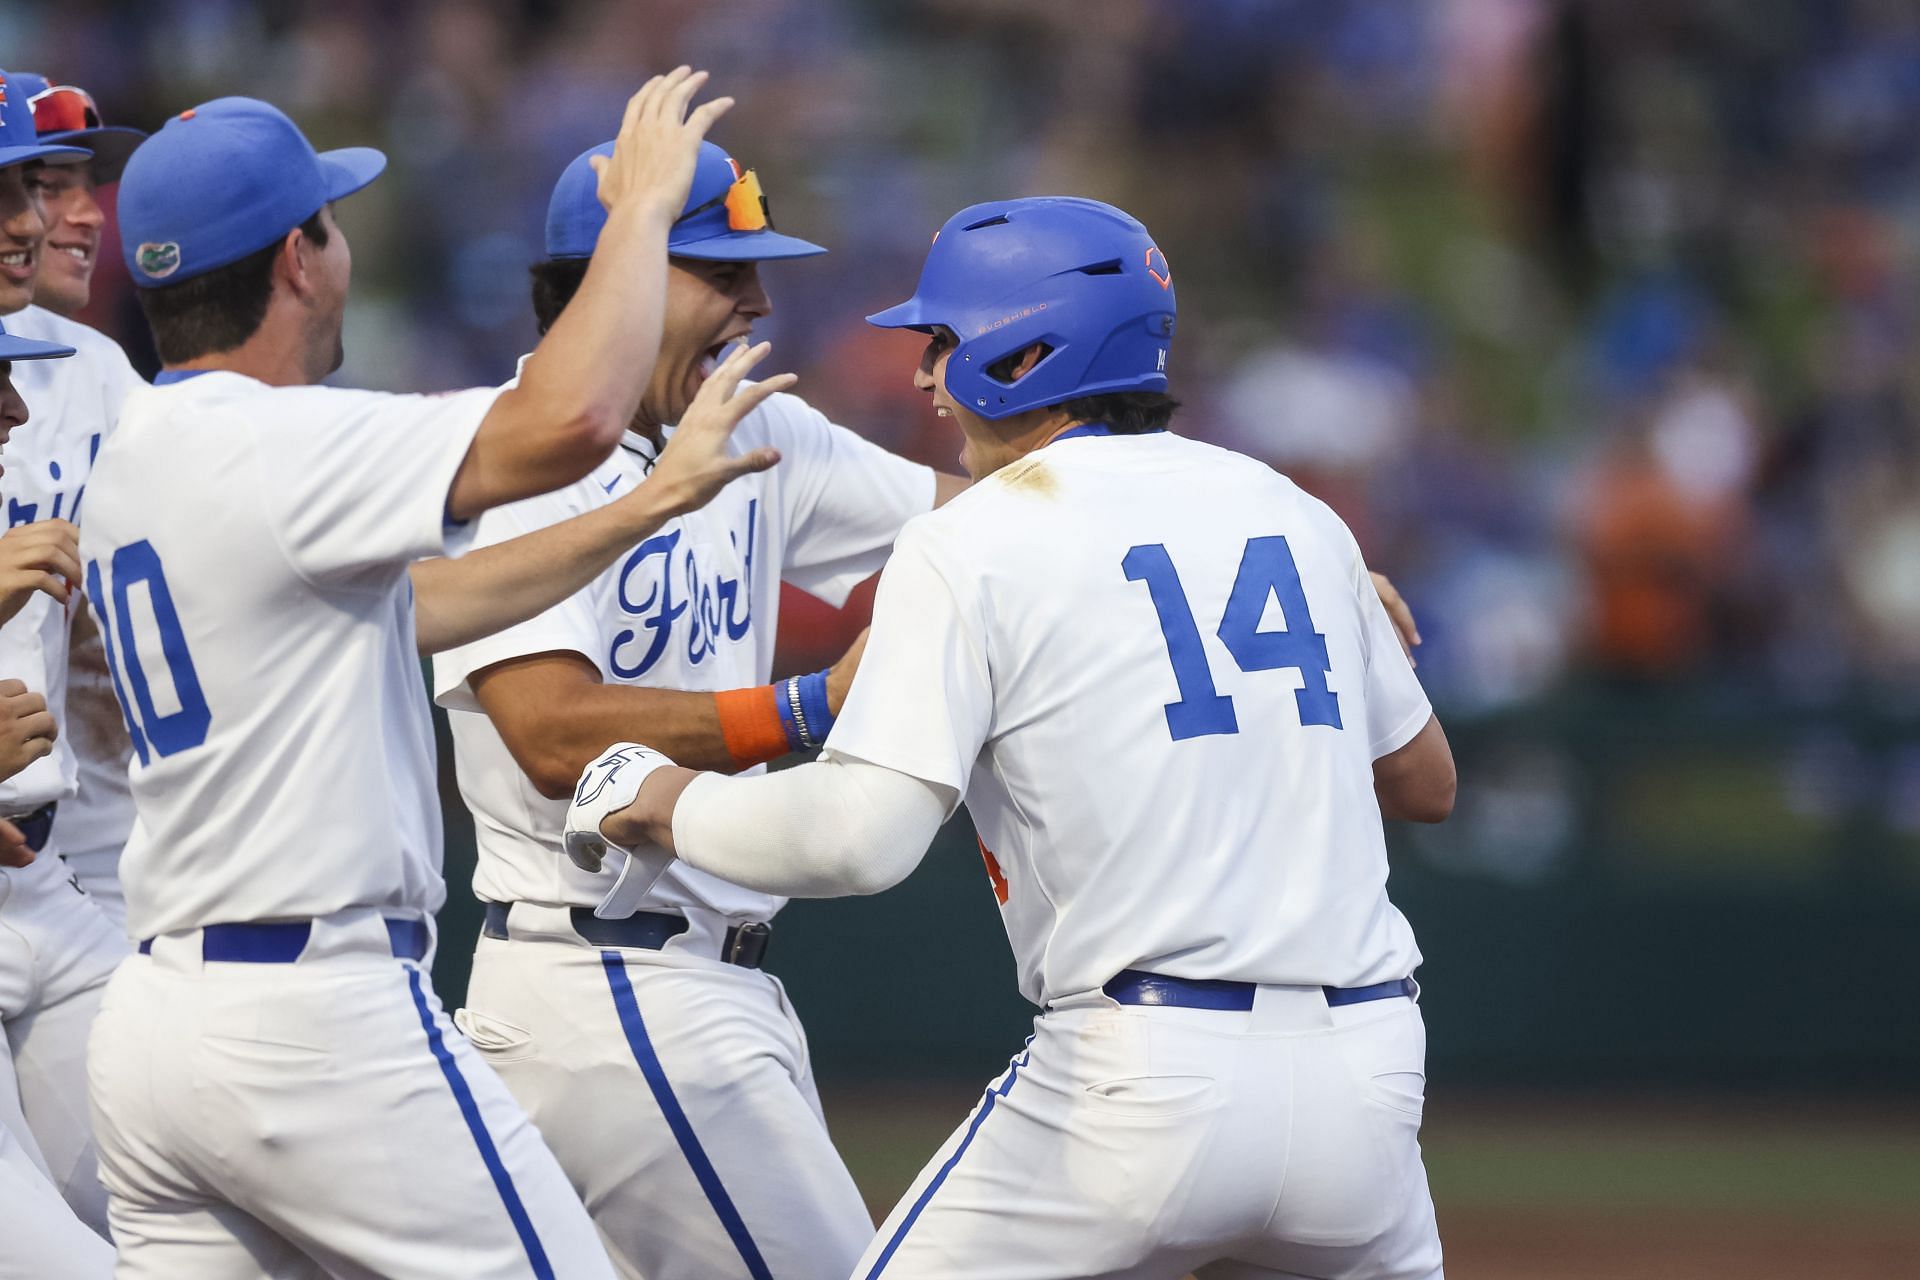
[22, 228]
[986, 444]
[709, 305]
[72, 243]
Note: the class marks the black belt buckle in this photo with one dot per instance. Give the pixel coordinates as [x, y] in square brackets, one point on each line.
[746, 944]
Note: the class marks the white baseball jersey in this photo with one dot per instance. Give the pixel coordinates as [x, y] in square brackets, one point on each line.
[247, 547]
[72, 406]
[1159, 675]
[694, 607]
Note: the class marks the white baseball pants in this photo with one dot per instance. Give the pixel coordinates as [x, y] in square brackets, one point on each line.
[676, 1092]
[1149, 1142]
[316, 1117]
[57, 951]
[99, 875]
[40, 1239]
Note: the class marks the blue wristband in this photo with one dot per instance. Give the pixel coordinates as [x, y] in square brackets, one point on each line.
[786, 699]
[816, 721]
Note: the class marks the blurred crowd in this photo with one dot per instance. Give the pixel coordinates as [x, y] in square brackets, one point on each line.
[1598, 321]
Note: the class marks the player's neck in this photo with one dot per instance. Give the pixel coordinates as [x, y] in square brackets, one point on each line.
[646, 428]
[273, 355]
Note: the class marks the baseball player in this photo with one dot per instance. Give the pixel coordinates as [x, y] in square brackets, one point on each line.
[41, 1238]
[665, 1068]
[57, 948]
[275, 1087]
[1158, 676]
[94, 823]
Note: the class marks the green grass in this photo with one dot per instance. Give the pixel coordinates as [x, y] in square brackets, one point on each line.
[1627, 1166]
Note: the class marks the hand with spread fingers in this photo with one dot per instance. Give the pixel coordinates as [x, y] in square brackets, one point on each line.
[659, 140]
[696, 464]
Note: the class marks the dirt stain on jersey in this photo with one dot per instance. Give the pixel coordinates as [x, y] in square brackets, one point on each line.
[1030, 475]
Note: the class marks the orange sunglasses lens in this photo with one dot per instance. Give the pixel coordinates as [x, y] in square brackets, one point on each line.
[747, 205]
[62, 108]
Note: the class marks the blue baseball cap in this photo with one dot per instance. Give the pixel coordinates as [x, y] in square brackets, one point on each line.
[18, 142]
[705, 229]
[223, 180]
[111, 144]
[12, 348]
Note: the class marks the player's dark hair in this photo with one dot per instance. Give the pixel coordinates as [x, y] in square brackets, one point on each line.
[554, 284]
[1128, 413]
[220, 310]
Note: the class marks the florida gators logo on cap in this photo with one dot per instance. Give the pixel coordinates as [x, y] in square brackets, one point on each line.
[158, 261]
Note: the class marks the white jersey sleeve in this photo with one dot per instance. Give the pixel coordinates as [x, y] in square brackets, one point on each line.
[371, 490]
[572, 626]
[923, 702]
[843, 499]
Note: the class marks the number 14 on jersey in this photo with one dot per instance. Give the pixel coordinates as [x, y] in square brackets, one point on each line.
[1267, 569]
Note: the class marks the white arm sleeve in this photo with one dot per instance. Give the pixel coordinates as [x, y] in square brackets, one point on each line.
[829, 829]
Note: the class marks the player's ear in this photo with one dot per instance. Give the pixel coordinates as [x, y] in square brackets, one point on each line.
[1024, 362]
[290, 264]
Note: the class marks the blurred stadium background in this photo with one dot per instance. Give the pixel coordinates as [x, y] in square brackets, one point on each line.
[1599, 322]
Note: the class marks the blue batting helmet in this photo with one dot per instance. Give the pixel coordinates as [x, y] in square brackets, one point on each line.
[1080, 276]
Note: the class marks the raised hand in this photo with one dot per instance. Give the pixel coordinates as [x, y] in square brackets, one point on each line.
[696, 463]
[42, 556]
[659, 140]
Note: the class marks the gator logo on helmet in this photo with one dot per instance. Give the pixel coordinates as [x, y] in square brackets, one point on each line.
[158, 261]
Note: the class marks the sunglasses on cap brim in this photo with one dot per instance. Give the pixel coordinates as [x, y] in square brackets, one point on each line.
[63, 108]
[746, 205]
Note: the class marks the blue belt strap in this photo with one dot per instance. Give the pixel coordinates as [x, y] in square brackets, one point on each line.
[282, 942]
[37, 826]
[1137, 986]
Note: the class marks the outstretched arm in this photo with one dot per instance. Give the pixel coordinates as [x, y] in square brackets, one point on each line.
[459, 601]
[832, 828]
[581, 385]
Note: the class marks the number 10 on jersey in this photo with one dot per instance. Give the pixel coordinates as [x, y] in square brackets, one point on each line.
[1267, 569]
[133, 565]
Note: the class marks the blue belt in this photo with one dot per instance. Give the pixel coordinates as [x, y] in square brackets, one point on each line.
[1136, 986]
[744, 945]
[37, 826]
[282, 943]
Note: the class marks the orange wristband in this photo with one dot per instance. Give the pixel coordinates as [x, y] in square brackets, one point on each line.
[751, 725]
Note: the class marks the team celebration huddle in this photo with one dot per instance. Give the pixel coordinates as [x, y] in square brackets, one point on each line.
[1172, 698]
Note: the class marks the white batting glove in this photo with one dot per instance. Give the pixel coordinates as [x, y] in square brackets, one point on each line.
[609, 783]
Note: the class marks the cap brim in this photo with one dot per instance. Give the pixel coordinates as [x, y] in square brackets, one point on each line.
[20, 155]
[15, 348]
[350, 168]
[112, 146]
[907, 315]
[746, 246]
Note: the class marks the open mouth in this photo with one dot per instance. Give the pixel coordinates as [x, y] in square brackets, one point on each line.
[710, 360]
[80, 253]
[17, 264]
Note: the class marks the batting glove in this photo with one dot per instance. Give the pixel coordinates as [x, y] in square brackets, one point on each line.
[609, 783]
